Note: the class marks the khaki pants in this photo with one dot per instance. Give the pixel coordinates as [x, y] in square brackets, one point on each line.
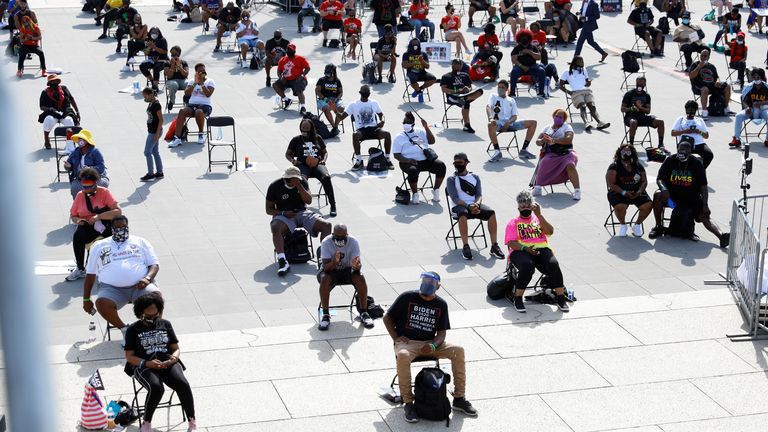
[406, 352]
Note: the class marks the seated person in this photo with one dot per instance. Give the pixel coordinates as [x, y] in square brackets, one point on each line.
[488, 45]
[457, 86]
[247, 34]
[581, 94]
[58, 106]
[738, 51]
[480, 5]
[353, 29]
[229, 16]
[152, 356]
[416, 63]
[99, 6]
[419, 13]
[188, 6]
[503, 117]
[564, 24]
[29, 43]
[755, 103]
[332, 13]
[286, 201]
[85, 155]
[526, 237]
[199, 91]
[754, 17]
[211, 9]
[691, 38]
[485, 70]
[409, 147]
[730, 24]
[417, 323]
[539, 40]
[137, 41]
[693, 126]
[293, 70]
[451, 25]
[510, 14]
[368, 120]
[675, 9]
[558, 164]
[551, 6]
[329, 91]
[386, 50]
[524, 59]
[308, 152]
[176, 73]
[627, 181]
[466, 193]
[308, 8]
[682, 180]
[636, 106]
[704, 82]
[157, 57]
[340, 254]
[123, 18]
[275, 49]
[641, 18]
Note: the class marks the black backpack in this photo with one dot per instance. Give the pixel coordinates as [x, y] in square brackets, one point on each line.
[499, 286]
[255, 63]
[320, 127]
[369, 73]
[681, 223]
[431, 395]
[297, 246]
[716, 106]
[664, 25]
[424, 36]
[405, 25]
[629, 61]
[377, 161]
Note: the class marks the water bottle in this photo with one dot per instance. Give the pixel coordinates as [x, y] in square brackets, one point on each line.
[135, 87]
[509, 38]
[546, 86]
[277, 104]
[91, 332]
[671, 204]
[219, 134]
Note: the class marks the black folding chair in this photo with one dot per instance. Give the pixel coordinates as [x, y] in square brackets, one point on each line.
[168, 404]
[222, 139]
[454, 219]
[59, 146]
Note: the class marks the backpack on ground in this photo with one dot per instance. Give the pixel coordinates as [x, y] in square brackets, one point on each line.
[431, 395]
[402, 196]
[405, 25]
[664, 25]
[369, 73]
[656, 154]
[374, 310]
[709, 16]
[334, 43]
[681, 223]
[255, 63]
[377, 161]
[297, 246]
[629, 61]
[424, 35]
[500, 286]
[320, 127]
[716, 106]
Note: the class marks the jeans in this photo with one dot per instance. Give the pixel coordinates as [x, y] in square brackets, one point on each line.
[536, 71]
[417, 24]
[153, 380]
[308, 12]
[30, 49]
[152, 152]
[406, 352]
[741, 116]
[172, 86]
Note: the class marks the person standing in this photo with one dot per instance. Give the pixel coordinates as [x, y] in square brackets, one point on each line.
[590, 13]
[154, 132]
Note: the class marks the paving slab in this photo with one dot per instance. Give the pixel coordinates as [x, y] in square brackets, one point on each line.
[368, 421]
[746, 423]
[683, 325]
[739, 394]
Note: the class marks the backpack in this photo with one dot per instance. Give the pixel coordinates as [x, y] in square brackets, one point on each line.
[709, 16]
[320, 127]
[629, 61]
[431, 395]
[681, 223]
[405, 25]
[297, 246]
[424, 35]
[402, 196]
[374, 310]
[255, 63]
[499, 286]
[656, 154]
[369, 73]
[664, 25]
[377, 162]
[334, 43]
[716, 106]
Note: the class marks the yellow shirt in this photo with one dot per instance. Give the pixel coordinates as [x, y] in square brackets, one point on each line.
[115, 3]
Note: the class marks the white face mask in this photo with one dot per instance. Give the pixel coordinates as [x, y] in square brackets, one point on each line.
[153, 36]
[757, 82]
[407, 127]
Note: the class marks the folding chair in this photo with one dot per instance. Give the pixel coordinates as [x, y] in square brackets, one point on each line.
[645, 138]
[221, 140]
[746, 136]
[613, 222]
[446, 107]
[408, 88]
[640, 45]
[373, 46]
[551, 39]
[319, 195]
[512, 143]
[530, 11]
[60, 137]
[680, 63]
[451, 235]
[362, 154]
[731, 71]
[572, 109]
[136, 62]
[625, 85]
[426, 184]
[321, 115]
[139, 406]
[352, 301]
[360, 52]
[229, 43]
[525, 79]
[185, 130]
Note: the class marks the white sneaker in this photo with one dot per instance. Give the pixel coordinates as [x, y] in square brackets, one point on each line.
[175, 142]
[125, 68]
[200, 139]
[496, 156]
[435, 195]
[623, 230]
[704, 114]
[416, 199]
[637, 230]
[75, 274]
[577, 194]
[536, 191]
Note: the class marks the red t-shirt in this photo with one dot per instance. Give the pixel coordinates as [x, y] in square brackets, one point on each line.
[477, 72]
[291, 68]
[738, 52]
[102, 198]
[539, 39]
[483, 40]
[331, 6]
[353, 25]
[450, 22]
[419, 11]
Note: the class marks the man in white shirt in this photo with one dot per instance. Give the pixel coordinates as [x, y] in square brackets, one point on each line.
[409, 150]
[308, 9]
[199, 90]
[248, 37]
[581, 95]
[502, 117]
[693, 126]
[365, 112]
[126, 267]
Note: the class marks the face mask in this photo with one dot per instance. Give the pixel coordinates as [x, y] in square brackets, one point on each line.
[81, 143]
[150, 320]
[526, 213]
[339, 241]
[757, 82]
[290, 53]
[690, 114]
[246, 18]
[460, 167]
[364, 95]
[626, 155]
[329, 75]
[304, 133]
[278, 38]
[640, 89]
[287, 183]
[407, 127]
[740, 42]
[53, 84]
[558, 121]
[154, 36]
[502, 93]
[414, 47]
[683, 156]
[120, 235]
[686, 21]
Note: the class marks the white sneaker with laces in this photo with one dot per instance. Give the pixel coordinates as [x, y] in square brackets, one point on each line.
[416, 199]
[623, 230]
[637, 230]
[175, 143]
[436, 195]
[536, 191]
[200, 139]
[577, 194]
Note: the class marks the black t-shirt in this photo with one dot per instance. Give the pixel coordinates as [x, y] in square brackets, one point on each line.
[162, 44]
[626, 179]
[419, 319]
[413, 59]
[642, 16]
[526, 60]
[301, 148]
[154, 118]
[384, 46]
[633, 96]
[272, 44]
[707, 75]
[54, 99]
[508, 4]
[756, 94]
[176, 74]
[150, 342]
[385, 11]
[456, 80]
[732, 24]
[683, 179]
[230, 16]
[285, 198]
[329, 87]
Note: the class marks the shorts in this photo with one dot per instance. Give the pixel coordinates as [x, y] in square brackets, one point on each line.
[296, 85]
[368, 133]
[582, 97]
[505, 17]
[616, 198]
[340, 276]
[121, 296]
[419, 76]
[330, 24]
[252, 43]
[306, 219]
[321, 104]
[640, 31]
[514, 126]
[206, 109]
[643, 120]
[485, 212]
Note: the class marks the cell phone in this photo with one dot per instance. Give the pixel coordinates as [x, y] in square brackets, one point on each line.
[93, 311]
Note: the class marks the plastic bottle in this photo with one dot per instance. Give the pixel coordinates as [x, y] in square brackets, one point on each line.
[277, 104]
[546, 86]
[247, 162]
[135, 87]
[671, 204]
[219, 134]
[91, 332]
[509, 38]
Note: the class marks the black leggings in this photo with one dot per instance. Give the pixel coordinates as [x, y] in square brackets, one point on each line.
[155, 67]
[134, 47]
[29, 49]
[545, 262]
[436, 167]
[321, 173]
[153, 379]
[85, 234]
[705, 152]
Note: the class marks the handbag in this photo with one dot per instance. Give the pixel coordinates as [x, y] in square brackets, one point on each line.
[429, 153]
[402, 196]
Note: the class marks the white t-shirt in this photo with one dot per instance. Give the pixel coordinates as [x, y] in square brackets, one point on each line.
[198, 97]
[577, 80]
[507, 105]
[364, 113]
[682, 123]
[252, 33]
[408, 149]
[121, 264]
[559, 133]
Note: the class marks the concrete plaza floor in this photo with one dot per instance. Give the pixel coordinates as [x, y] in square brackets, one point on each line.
[643, 346]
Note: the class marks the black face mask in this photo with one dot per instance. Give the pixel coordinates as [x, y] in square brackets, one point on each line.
[526, 213]
[278, 38]
[690, 114]
[290, 53]
[339, 241]
[364, 95]
[53, 85]
[459, 167]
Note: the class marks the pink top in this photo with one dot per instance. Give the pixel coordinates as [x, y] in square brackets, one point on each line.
[526, 231]
[102, 198]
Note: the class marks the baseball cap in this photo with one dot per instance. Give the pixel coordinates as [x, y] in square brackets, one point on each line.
[462, 156]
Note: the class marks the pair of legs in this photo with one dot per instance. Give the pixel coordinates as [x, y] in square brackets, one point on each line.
[188, 10]
[536, 71]
[583, 100]
[485, 214]
[111, 299]
[247, 44]
[25, 50]
[207, 15]
[297, 86]
[436, 167]
[513, 21]
[312, 222]
[475, 6]
[688, 49]
[588, 37]
[327, 25]
[660, 200]
[311, 12]
[561, 31]
[109, 16]
[652, 37]
[463, 102]
[331, 109]
[134, 46]
[380, 28]
[381, 58]
[753, 113]
[152, 153]
[544, 261]
[173, 377]
[151, 71]
[418, 24]
[200, 112]
[376, 133]
[172, 86]
[405, 352]
[644, 120]
[221, 28]
[85, 234]
[458, 38]
[49, 123]
[621, 204]
[720, 87]
[739, 67]
[425, 78]
[321, 173]
[496, 127]
[347, 276]
[353, 40]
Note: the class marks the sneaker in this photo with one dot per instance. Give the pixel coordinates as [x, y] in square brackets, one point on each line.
[315, 29]
[175, 143]
[200, 139]
[125, 68]
[656, 232]
[601, 125]
[605, 56]
[75, 274]
[325, 43]
[391, 78]
[416, 198]
[192, 425]
[704, 114]
[420, 97]
[325, 323]
[468, 128]
[577, 194]
[303, 109]
[43, 73]
[102, 36]
[216, 49]
[470, 24]
[637, 230]
[282, 266]
[358, 165]
[367, 320]
[536, 191]
[148, 177]
[588, 126]
[525, 154]
[735, 142]
[623, 230]
[728, 111]
[269, 82]
[159, 175]
[378, 80]
[562, 304]
[436, 195]
[146, 427]
[206, 27]
[466, 252]
[286, 103]
[496, 251]
[725, 239]
[118, 49]
[334, 132]
[519, 304]
[410, 413]
[169, 106]
[390, 165]
[333, 212]
[495, 157]
[463, 405]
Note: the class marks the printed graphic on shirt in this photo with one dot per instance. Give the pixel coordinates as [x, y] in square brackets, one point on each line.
[681, 178]
[310, 149]
[528, 231]
[154, 341]
[104, 255]
[366, 115]
[422, 318]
